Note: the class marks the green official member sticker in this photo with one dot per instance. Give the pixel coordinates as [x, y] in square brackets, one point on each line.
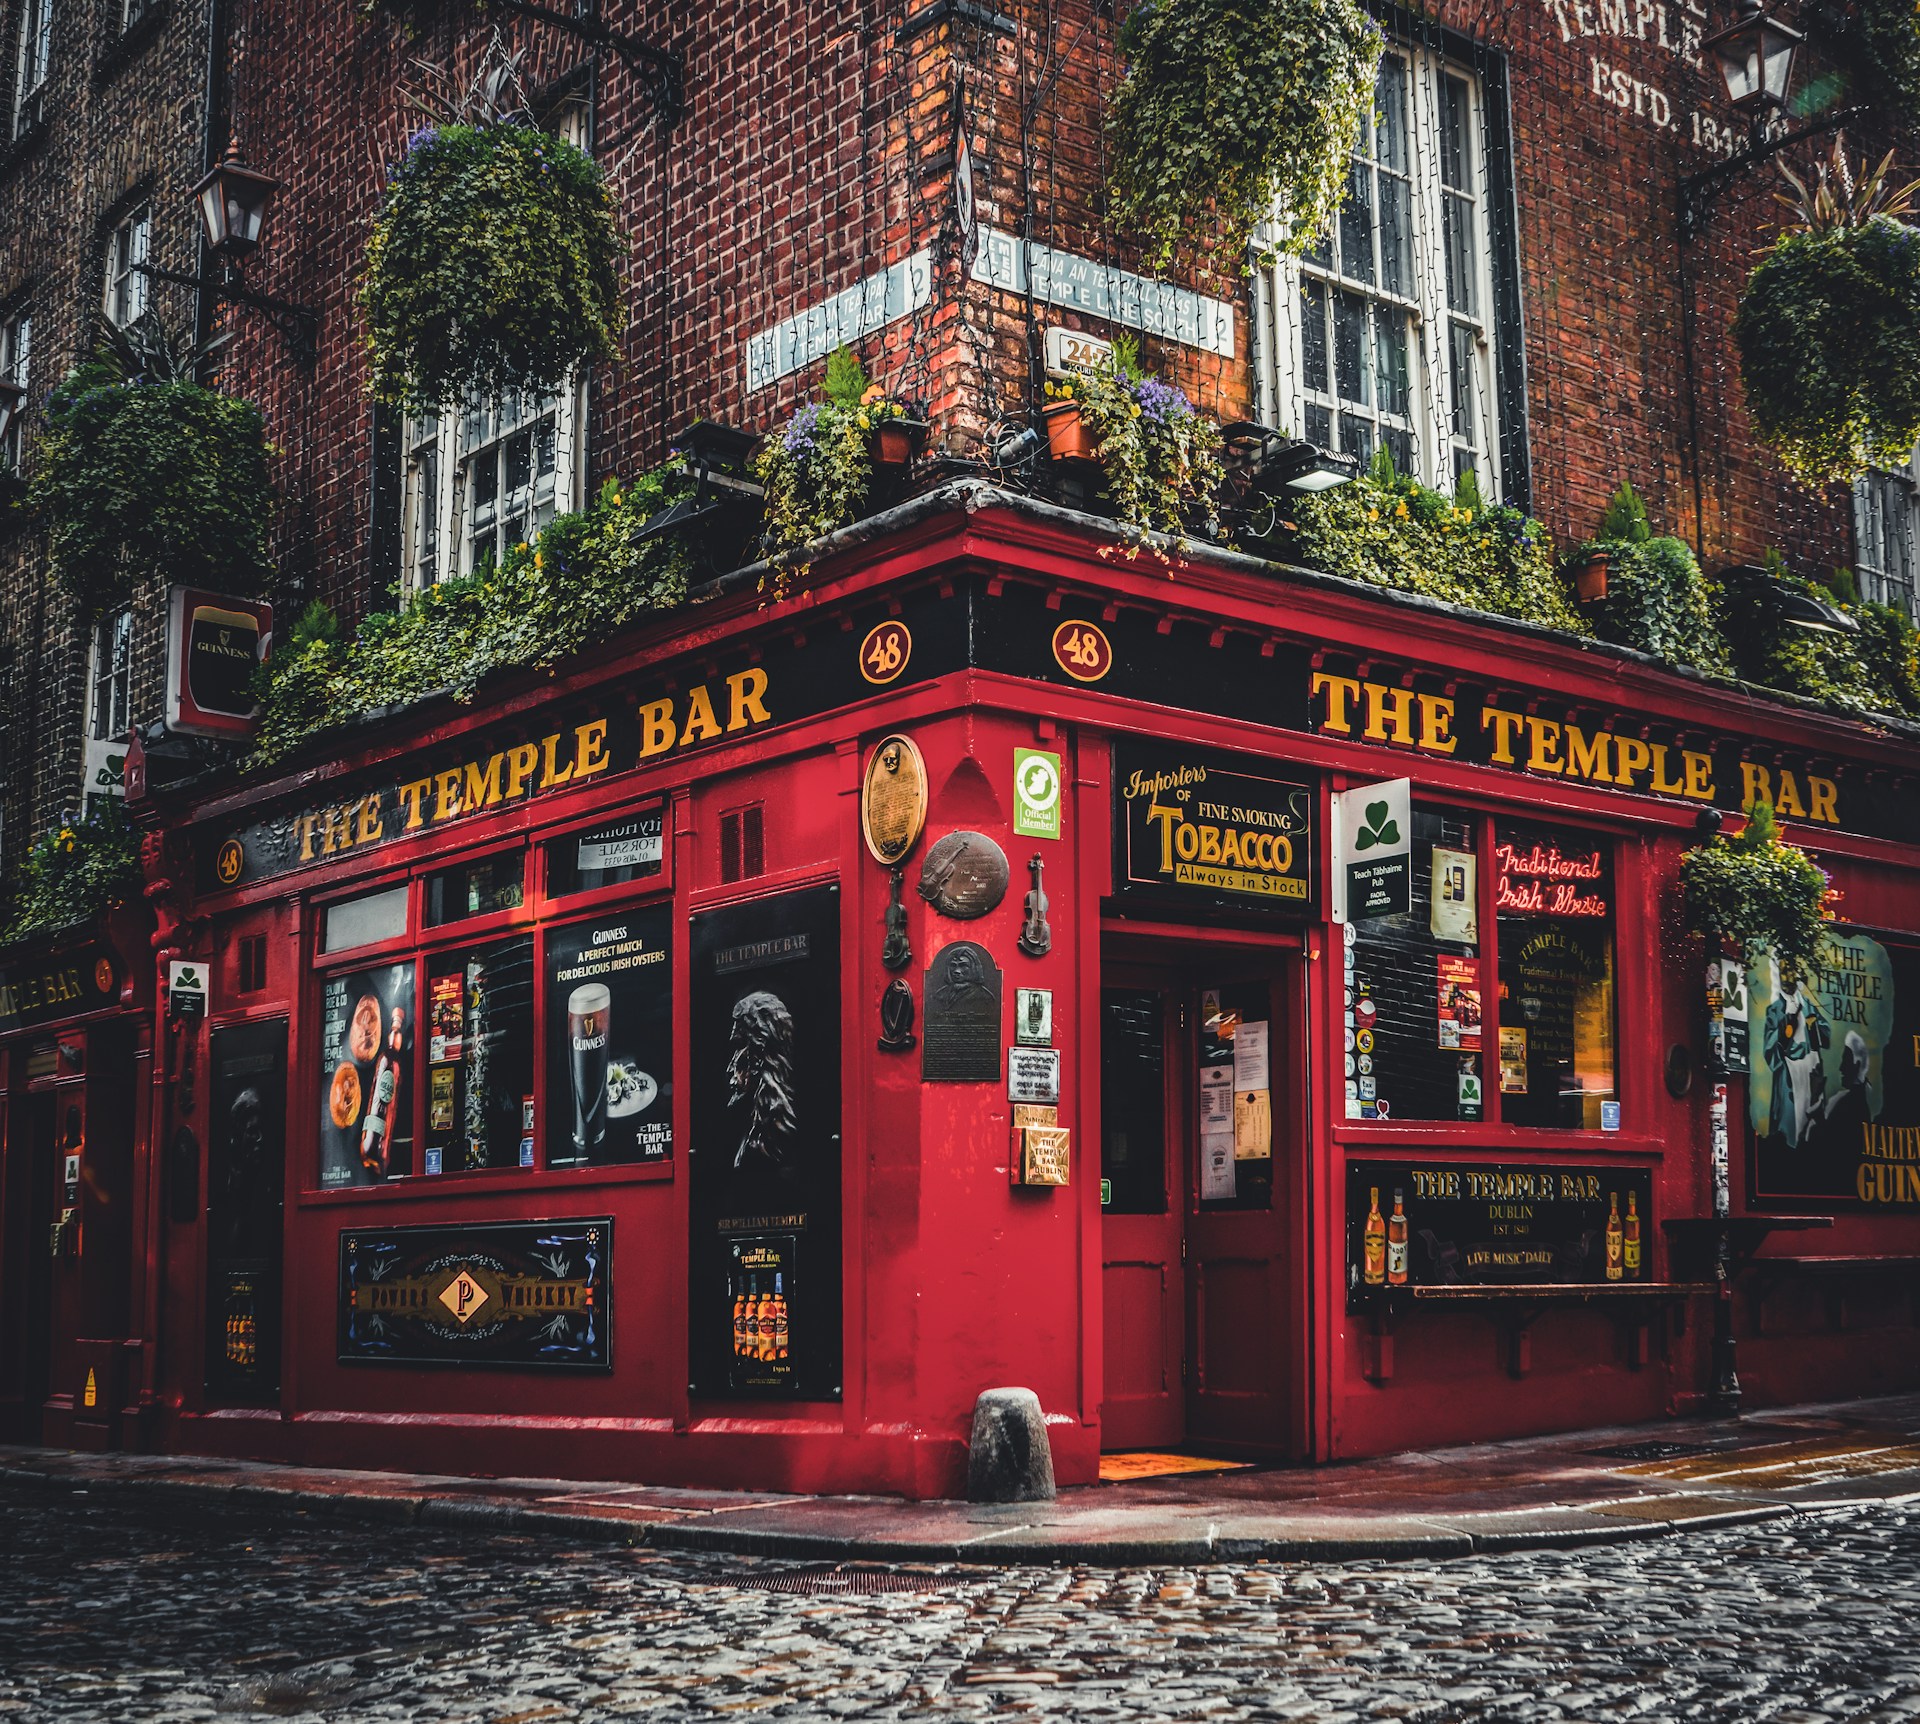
[1036, 793]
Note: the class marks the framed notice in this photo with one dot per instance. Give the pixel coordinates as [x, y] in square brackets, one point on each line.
[1206, 829]
[609, 1039]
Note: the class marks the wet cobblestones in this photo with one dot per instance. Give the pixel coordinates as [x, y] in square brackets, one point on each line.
[106, 1616]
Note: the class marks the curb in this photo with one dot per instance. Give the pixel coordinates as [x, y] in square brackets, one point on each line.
[992, 1550]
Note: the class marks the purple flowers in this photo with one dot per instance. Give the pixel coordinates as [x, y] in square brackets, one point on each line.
[802, 430]
[1161, 402]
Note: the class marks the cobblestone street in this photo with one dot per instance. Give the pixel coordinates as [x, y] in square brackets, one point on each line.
[109, 1616]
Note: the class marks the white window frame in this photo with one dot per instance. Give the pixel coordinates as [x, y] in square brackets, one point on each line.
[1280, 372]
[1886, 535]
[16, 355]
[35, 60]
[126, 296]
[131, 12]
[109, 715]
[441, 456]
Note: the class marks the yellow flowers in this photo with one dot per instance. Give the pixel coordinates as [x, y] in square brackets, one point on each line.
[1400, 513]
[871, 394]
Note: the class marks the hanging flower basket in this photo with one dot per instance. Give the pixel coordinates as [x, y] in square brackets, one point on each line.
[493, 268]
[897, 441]
[1590, 575]
[1754, 891]
[146, 475]
[1829, 330]
[1229, 107]
[1068, 438]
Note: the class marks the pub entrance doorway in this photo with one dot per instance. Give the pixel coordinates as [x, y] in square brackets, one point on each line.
[1203, 1194]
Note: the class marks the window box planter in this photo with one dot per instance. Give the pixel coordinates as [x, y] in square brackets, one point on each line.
[1068, 438]
[896, 442]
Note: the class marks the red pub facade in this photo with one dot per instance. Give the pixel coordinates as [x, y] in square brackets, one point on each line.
[734, 1216]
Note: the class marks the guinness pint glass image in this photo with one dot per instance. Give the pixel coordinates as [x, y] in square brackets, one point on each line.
[587, 1039]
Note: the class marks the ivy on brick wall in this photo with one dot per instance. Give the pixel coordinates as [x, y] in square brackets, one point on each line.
[1231, 108]
[144, 474]
[1829, 328]
[585, 576]
[75, 872]
[493, 267]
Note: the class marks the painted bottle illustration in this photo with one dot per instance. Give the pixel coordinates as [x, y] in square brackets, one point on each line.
[1615, 1237]
[740, 1323]
[765, 1350]
[750, 1339]
[779, 1317]
[1374, 1244]
[376, 1130]
[1630, 1243]
[1397, 1245]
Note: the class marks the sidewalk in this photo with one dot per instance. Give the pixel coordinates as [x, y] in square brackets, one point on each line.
[1658, 1480]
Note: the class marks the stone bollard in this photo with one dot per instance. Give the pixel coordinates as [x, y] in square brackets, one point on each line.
[1008, 1460]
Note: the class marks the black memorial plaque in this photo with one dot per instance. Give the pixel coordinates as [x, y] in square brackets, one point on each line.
[960, 1029]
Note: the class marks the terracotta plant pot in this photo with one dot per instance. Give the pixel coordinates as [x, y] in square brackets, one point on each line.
[1590, 578]
[897, 441]
[1067, 436]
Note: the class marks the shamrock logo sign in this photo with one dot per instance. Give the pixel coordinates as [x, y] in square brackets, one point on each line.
[1379, 829]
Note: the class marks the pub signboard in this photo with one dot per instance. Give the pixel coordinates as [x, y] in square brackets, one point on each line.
[1435, 1224]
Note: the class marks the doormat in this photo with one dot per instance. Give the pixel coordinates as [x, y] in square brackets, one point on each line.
[1147, 1464]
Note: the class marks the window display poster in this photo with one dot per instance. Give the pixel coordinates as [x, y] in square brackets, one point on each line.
[1459, 994]
[1834, 1095]
[1454, 912]
[762, 1291]
[366, 1109]
[1513, 1059]
[449, 1014]
[609, 1036]
[763, 1158]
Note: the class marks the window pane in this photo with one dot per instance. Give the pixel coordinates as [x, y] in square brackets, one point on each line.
[1234, 1121]
[479, 1061]
[361, 921]
[1396, 235]
[1399, 444]
[1356, 437]
[1463, 293]
[1133, 1122]
[1320, 426]
[1350, 344]
[519, 468]
[1390, 363]
[629, 849]
[476, 888]
[1456, 134]
[609, 1037]
[486, 491]
[1554, 892]
[366, 1074]
[1462, 361]
[1414, 990]
[1313, 335]
[1356, 225]
[1390, 103]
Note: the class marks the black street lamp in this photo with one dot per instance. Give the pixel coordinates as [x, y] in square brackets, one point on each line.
[1755, 53]
[233, 204]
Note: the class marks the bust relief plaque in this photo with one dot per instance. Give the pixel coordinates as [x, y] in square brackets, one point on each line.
[893, 799]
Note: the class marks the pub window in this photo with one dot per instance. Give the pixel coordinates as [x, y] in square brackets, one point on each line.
[1133, 1117]
[1414, 993]
[612, 855]
[479, 1058]
[1553, 892]
[363, 921]
[1383, 335]
[743, 842]
[1884, 505]
[109, 708]
[30, 76]
[253, 964]
[126, 292]
[479, 888]
[16, 347]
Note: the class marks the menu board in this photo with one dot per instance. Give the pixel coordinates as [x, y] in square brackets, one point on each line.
[364, 1075]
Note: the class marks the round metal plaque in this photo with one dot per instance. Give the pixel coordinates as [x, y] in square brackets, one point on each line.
[964, 876]
[893, 799]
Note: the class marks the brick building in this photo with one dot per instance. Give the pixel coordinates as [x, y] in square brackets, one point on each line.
[1506, 293]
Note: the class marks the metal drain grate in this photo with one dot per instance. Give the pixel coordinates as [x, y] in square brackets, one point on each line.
[822, 1580]
[1652, 1451]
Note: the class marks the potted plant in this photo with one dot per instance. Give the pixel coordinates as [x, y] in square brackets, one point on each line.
[1231, 107]
[818, 468]
[144, 473]
[493, 266]
[1159, 458]
[1753, 890]
[1829, 328]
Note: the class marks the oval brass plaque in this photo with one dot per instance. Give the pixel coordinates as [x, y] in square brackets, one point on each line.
[964, 876]
[893, 799]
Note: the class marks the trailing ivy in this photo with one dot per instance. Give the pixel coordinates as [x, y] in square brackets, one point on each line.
[1829, 330]
[1160, 458]
[817, 469]
[585, 576]
[1391, 531]
[1884, 39]
[74, 873]
[144, 474]
[1755, 891]
[1658, 602]
[493, 268]
[1231, 109]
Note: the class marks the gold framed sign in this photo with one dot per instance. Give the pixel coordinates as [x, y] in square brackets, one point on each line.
[893, 799]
